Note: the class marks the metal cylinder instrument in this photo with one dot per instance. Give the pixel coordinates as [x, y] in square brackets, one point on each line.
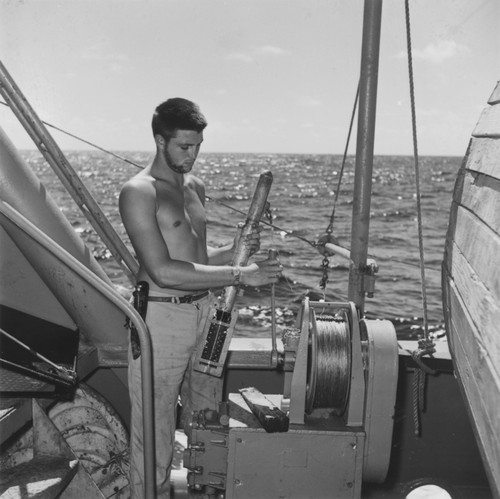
[211, 354]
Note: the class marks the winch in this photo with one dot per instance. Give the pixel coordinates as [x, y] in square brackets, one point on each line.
[330, 428]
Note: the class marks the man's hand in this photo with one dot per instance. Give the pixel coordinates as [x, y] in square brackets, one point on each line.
[260, 273]
[252, 240]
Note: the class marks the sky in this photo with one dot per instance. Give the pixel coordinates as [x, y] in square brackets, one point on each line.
[271, 76]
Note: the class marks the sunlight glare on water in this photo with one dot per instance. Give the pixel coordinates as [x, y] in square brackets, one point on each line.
[301, 204]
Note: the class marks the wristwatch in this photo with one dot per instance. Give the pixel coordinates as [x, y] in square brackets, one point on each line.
[237, 275]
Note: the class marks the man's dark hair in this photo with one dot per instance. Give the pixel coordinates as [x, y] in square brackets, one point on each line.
[177, 114]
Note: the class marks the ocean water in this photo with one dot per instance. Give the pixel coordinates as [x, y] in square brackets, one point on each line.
[301, 201]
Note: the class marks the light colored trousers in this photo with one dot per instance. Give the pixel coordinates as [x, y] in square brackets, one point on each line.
[175, 331]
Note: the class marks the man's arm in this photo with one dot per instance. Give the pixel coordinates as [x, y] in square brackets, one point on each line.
[220, 256]
[224, 254]
[138, 212]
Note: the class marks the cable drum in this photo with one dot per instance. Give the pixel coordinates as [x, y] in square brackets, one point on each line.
[329, 363]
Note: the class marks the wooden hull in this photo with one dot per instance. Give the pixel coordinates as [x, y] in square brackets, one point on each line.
[471, 284]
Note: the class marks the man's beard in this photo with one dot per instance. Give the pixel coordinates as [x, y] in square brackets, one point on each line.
[173, 166]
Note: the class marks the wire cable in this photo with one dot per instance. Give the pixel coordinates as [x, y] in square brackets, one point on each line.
[417, 169]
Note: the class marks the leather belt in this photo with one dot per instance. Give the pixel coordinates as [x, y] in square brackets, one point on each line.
[179, 299]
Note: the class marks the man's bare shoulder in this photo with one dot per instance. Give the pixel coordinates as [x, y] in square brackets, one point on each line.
[138, 193]
[142, 180]
[197, 185]
[141, 184]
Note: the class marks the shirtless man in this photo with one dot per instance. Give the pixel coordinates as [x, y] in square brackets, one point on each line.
[163, 211]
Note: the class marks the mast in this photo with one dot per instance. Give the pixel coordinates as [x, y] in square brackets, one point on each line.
[364, 151]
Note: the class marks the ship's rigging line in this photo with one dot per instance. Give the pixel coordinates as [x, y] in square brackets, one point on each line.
[137, 165]
[417, 168]
[329, 229]
[426, 346]
[290, 233]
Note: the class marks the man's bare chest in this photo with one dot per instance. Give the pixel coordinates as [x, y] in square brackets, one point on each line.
[180, 212]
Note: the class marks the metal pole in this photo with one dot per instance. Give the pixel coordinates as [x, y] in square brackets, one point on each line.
[364, 150]
[36, 240]
[148, 416]
[55, 157]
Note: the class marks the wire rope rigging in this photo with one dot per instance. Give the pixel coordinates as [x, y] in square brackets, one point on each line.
[426, 345]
